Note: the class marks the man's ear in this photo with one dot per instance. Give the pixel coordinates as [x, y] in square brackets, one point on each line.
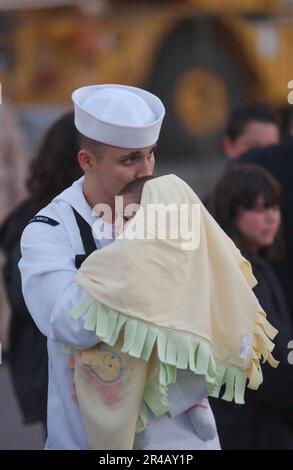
[86, 160]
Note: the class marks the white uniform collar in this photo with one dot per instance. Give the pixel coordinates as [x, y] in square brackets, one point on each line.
[75, 197]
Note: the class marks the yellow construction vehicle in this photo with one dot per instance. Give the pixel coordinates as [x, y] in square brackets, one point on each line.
[202, 57]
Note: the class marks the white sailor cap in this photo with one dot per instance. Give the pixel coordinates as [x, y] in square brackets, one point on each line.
[118, 115]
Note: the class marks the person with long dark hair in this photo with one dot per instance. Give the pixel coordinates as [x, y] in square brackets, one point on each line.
[52, 170]
[246, 204]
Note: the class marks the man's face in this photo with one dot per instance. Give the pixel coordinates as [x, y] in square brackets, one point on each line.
[255, 135]
[120, 166]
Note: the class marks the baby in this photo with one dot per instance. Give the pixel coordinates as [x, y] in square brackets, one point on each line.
[199, 413]
[176, 321]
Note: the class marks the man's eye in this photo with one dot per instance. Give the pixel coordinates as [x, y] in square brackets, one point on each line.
[129, 161]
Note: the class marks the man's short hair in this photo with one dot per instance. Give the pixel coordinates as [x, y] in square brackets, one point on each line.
[243, 115]
[97, 148]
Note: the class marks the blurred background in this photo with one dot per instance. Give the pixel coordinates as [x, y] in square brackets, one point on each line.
[203, 58]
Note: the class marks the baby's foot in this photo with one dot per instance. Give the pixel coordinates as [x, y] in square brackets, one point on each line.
[202, 420]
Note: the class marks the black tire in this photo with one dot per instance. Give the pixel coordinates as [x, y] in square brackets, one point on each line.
[193, 44]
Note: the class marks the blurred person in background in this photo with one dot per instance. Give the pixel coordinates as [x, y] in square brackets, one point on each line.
[13, 170]
[277, 159]
[250, 126]
[246, 204]
[53, 169]
[13, 161]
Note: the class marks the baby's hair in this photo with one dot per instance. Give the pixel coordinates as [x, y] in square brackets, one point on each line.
[135, 187]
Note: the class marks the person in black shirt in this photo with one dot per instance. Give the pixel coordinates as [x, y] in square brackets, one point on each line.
[246, 204]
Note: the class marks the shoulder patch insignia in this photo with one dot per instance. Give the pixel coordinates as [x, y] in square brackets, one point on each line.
[44, 219]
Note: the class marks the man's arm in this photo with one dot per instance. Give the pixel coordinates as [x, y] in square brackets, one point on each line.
[50, 292]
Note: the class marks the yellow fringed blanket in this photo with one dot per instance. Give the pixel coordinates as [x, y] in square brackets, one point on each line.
[183, 308]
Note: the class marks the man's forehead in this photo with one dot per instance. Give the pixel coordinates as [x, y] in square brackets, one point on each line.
[120, 152]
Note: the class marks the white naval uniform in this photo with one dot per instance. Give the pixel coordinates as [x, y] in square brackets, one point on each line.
[50, 292]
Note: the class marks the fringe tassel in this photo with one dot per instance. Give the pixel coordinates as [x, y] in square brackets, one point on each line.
[177, 351]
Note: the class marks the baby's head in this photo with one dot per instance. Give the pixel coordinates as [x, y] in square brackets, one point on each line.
[132, 193]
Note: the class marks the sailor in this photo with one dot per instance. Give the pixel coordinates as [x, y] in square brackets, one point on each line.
[118, 128]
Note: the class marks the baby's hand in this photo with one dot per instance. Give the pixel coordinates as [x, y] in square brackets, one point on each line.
[202, 420]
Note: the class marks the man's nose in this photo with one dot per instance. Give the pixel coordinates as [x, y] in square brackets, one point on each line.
[145, 168]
